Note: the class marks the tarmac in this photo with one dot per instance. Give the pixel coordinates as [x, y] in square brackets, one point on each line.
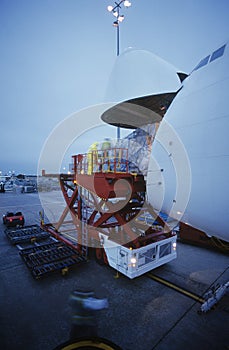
[142, 315]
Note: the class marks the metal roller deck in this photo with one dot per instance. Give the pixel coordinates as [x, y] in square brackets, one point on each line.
[46, 258]
[26, 234]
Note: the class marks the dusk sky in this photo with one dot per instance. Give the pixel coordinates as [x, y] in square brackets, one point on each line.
[57, 55]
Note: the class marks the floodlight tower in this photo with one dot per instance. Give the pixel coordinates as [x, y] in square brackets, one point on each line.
[115, 10]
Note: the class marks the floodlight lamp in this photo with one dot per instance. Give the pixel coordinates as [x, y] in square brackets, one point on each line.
[109, 8]
[127, 3]
[115, 13]
[121, 18]
[115, 24]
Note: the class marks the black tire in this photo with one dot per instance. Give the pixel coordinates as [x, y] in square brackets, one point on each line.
[99, 256]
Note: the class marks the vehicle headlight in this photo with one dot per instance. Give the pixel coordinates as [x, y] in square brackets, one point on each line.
[133, 260]
[174, 245]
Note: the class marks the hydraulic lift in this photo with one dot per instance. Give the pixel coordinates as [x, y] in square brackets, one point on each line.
[106, 201]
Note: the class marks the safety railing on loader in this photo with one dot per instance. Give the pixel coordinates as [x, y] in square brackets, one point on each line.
[113, 160]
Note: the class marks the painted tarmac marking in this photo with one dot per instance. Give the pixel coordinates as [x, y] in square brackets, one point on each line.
[177, 288]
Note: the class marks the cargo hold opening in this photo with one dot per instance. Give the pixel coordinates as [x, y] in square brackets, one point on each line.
[140, 111]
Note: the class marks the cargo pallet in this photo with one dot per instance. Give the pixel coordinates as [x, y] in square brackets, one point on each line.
[47, 258]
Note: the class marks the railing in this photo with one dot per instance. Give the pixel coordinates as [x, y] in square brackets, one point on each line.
[114, 160]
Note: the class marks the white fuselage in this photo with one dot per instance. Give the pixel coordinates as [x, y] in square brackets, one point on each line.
[188, 175]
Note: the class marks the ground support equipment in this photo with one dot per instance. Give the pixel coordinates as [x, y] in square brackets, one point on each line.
[104, 206]
[14, 219]
[47, 258]
[213, 296]
[26, 234]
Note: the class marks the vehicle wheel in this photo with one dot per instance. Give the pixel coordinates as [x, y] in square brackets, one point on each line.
[105, 258]
[99, 256]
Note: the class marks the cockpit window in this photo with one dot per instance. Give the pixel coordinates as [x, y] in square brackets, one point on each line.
[202, 63]
[218, 53]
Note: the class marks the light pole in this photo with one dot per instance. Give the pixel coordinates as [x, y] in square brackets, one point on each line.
[119, 18]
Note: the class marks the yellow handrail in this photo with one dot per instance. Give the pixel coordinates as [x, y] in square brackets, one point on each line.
[109, 160]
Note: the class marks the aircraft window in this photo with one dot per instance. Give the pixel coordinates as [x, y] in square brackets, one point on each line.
[202, 63]
[218, 53]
